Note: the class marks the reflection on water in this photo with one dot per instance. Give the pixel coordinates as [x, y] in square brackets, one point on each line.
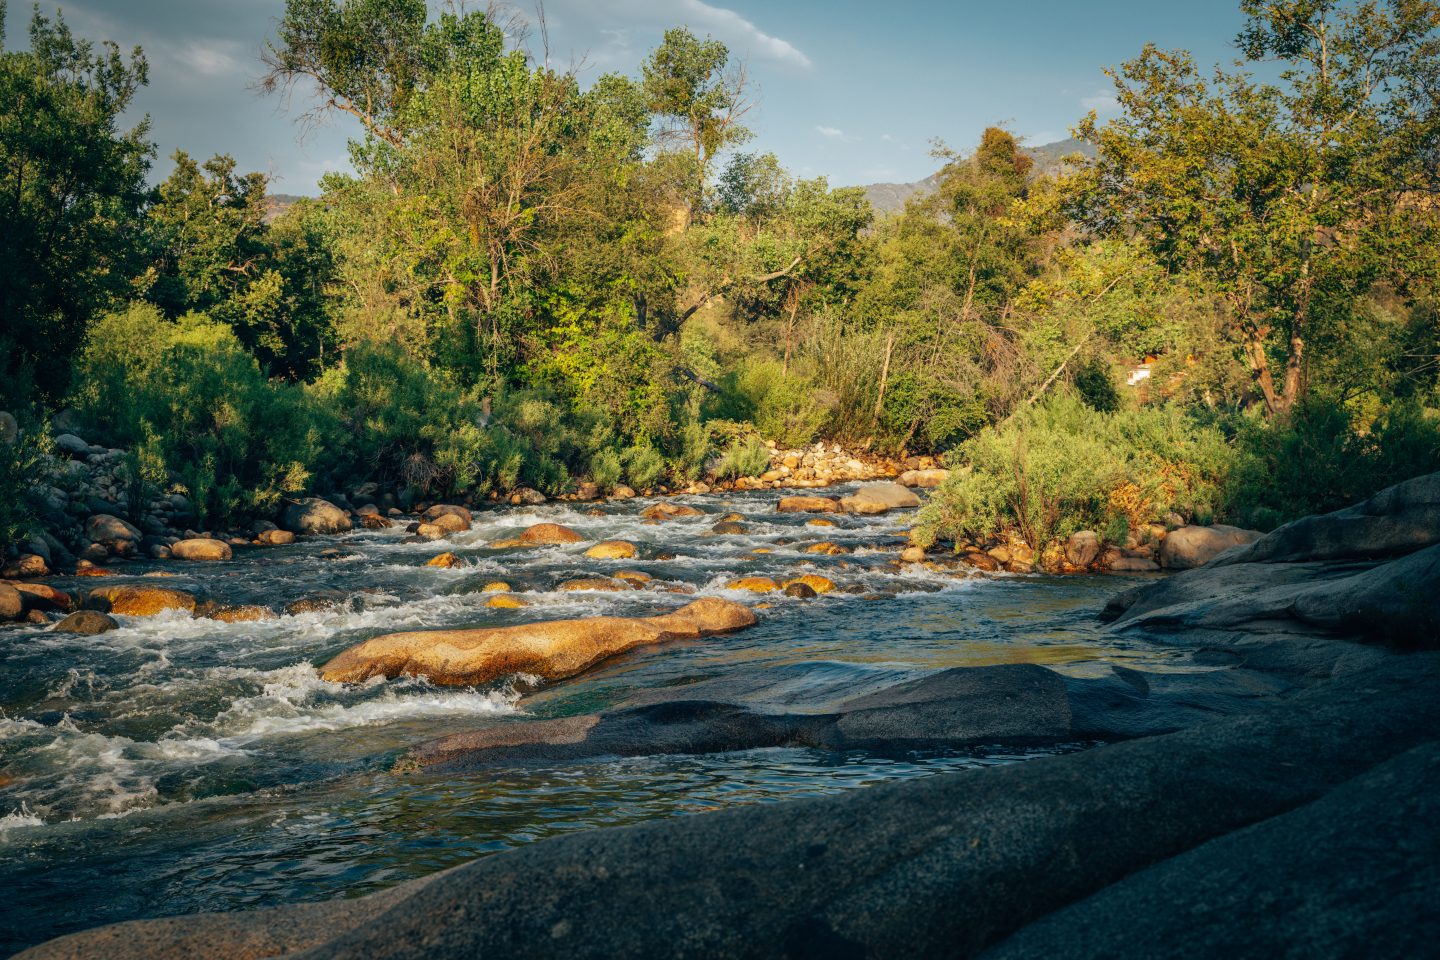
[182, 764]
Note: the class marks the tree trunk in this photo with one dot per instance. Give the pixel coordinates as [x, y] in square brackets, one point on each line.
[885, 375]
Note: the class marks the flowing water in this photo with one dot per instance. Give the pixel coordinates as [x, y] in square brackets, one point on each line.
[178, 765]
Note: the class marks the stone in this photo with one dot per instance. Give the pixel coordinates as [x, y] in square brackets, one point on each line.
[875, 498]
[606, 584]
[670, 511]
[548, 650]
[274, 538]
[496, 586]
[587, 491]
[319, 603]
[1190, 547]
[728, 527]
[504, 601]
[72, 445]
[26, 566]
[86, 621]
[806, 504]
[925, 479]
[796, 589]
[201, 549]
[239, 613]
[12, 604]
[530, 497]
[449, 523]
[373, 521]
[814, 581]
[636, 577]
[612, 550]
[753, 584]
[1081, 549]
[1134, 565]
[820, 522]
[107, 529]
[622, 492]
[545, 534]
[436, 511]
[140, 601]
[9, 428]
[42, 596]
[981, 561]
[912, 555]
[313, 515]
[445, 560]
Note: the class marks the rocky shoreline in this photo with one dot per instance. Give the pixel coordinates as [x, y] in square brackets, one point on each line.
[1219, 816]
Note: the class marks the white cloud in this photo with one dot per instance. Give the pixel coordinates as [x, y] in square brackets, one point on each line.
[1102, 101]
[728, 21]
[205, 58]
[834, 133]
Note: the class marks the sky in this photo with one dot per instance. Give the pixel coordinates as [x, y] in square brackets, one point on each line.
[854, 90]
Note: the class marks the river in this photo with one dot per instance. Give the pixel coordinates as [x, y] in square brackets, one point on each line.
[179, 765]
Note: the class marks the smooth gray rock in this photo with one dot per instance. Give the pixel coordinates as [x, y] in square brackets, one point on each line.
[945, 867]
[1397, 520]
[1352, 874]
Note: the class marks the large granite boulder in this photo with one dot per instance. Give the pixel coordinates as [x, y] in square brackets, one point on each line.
[875, 498]
[202, 549]
[1190, 547]
[313, 515]
[550, 651]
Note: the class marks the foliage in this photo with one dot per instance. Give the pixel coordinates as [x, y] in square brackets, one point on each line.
[21, 462]
[1063, 466]
[236, 441]
[744, 457]
[1324, 457]
[72, 182]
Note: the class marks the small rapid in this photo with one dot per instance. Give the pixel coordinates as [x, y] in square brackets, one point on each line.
[180, 763]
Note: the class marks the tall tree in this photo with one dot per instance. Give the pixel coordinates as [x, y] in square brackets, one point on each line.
[71, 185]
[1277, 192]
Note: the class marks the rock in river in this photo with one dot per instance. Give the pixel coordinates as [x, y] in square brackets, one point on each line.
[200, 548]
[141, 601]
[86, 621]
[542, 534]
[800, 504]
[1191, 547]
[552, 651]
[879, 498]
[313, 515]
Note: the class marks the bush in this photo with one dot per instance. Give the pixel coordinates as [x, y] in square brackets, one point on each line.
[1063, 466]
[1326, 457]
[606, 470]
[744, 458]
[786, 408]
[190, 398]
[21, 463]
[643, 466]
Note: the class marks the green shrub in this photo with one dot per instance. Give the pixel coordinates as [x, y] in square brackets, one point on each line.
[21, 464]
[785, 407]
[1063, 466]
[1324, 457]
[606, 470]
[190, 398]
[744, 458]
[643, 466]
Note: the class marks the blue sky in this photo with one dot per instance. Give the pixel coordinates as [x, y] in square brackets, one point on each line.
[849, 89]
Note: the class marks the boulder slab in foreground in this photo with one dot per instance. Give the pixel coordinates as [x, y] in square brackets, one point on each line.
[551, 651]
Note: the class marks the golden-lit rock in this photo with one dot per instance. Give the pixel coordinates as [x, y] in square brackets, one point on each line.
[753, 584]
[814, 581]
[140, 601]
[446, 560]
[612, 550]
[546, 534]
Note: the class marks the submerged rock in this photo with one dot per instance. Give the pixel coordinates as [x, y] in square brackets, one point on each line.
[753, 584]
[551, 651]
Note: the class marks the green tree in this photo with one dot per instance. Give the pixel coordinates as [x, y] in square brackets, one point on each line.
[1283, 195]
[71, 185]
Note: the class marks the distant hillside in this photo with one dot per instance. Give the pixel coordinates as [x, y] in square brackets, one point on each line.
[891, 197]
[278, 203]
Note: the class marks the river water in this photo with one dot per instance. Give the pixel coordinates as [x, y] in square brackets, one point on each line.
[178, 765]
